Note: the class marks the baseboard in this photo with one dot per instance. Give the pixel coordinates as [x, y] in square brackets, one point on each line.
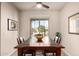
[12, 53]
[65, 52]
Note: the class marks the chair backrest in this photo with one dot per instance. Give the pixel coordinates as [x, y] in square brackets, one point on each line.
[20, 40]
[57, 40]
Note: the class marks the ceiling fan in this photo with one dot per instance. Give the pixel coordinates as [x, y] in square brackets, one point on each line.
[40, 4]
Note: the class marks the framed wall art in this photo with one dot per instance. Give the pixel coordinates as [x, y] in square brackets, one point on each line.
[73, 24]
[12, 25]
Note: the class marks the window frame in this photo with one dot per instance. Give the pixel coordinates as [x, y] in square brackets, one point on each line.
[39, 21]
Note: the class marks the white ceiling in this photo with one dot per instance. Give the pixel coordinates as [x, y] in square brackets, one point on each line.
[30, 5]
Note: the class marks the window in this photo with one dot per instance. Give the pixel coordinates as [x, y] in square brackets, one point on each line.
[39, 26]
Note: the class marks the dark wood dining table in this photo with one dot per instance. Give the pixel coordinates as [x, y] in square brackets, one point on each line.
[53, 47]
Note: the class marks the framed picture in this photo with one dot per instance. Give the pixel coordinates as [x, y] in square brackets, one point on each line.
[73, 24]
[12, 25]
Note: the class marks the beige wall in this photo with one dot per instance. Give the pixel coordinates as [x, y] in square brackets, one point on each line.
[25, 17]
[70, 41]
[8, 38]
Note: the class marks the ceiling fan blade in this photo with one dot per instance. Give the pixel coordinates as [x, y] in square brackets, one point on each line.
[45, 6]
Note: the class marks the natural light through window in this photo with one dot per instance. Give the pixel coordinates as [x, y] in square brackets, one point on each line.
[40, 26]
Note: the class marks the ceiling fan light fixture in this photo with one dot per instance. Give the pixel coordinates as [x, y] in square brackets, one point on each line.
[39, 5]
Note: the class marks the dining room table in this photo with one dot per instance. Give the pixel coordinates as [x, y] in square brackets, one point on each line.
[45, 45]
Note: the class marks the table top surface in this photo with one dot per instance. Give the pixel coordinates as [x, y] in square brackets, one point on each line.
[33, 43]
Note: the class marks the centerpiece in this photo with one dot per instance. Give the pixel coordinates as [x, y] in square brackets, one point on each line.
[39, 37]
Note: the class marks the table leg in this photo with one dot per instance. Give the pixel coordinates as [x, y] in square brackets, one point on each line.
[58, 52]
[20, 52]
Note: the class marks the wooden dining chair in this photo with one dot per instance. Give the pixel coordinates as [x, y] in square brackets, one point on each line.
[20, 40]
[25, 51]
[56, 41]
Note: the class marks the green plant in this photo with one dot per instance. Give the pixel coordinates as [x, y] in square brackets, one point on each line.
[58, 34]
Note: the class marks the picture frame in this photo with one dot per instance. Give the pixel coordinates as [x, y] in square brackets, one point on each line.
[73, 24]
[12, 25]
